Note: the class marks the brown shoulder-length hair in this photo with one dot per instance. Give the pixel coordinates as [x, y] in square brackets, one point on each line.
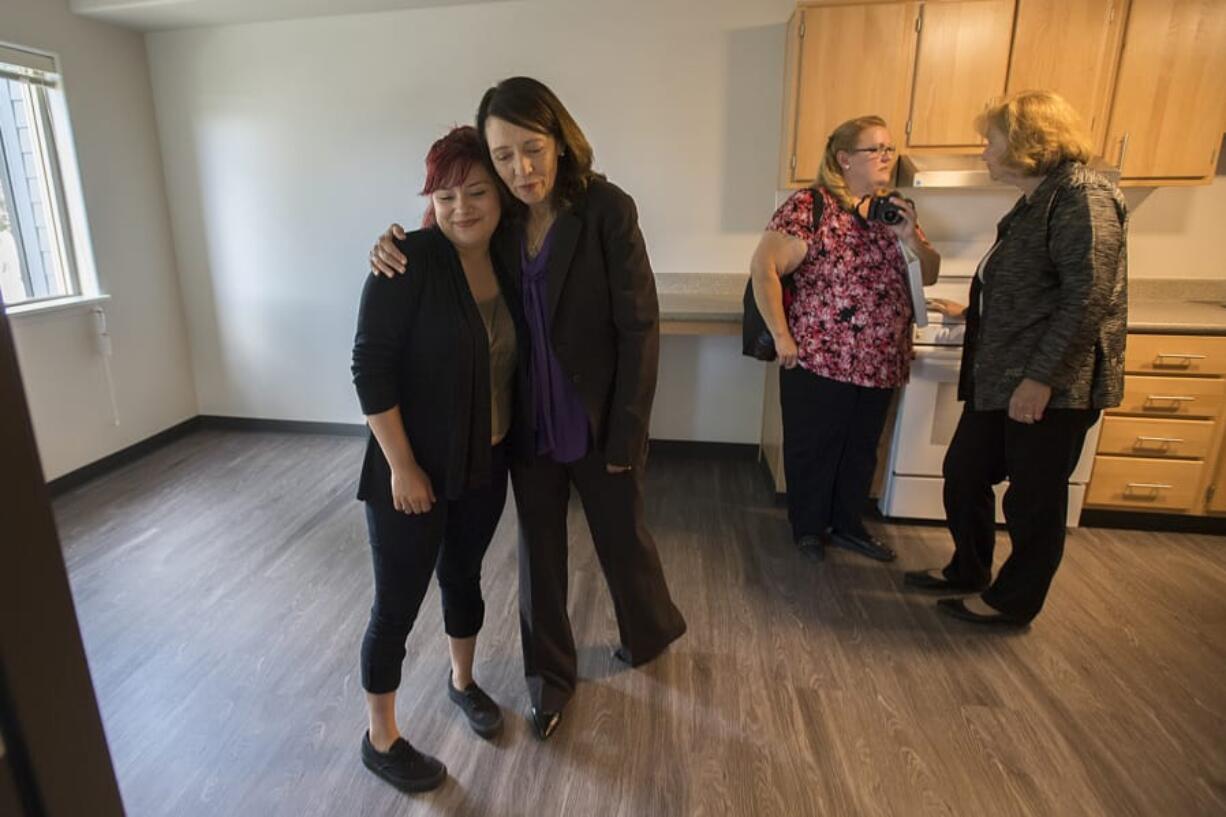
[530, 104]
[843, 138]
[1041, 130]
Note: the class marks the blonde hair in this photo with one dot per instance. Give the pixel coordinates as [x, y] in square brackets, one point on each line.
[844, 137]
[1041, 130]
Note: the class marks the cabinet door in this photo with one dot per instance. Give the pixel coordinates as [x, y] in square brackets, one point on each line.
[838, 78]
[1167, 118]
[1071, 47]
[1217, 489]
[961, 65]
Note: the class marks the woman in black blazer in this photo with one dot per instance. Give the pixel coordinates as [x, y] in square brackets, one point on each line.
[434, 364]
[588, 351]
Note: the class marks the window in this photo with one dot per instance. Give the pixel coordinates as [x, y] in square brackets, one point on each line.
[37, 258]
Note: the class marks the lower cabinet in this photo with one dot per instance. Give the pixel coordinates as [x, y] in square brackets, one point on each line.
[1160, 450]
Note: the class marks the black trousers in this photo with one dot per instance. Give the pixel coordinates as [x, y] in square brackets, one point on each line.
[450, 540]
[830, 435]
[1037, 459]
[647, 619]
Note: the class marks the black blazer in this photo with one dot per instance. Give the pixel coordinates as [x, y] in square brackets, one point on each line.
[421, 344]
[606, 320]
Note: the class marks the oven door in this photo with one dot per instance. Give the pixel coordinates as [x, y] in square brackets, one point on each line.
[928, 413]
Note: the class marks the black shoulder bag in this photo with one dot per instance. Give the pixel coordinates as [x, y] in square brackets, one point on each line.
[756, 340]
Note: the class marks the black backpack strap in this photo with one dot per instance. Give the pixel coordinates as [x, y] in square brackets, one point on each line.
[819, 204]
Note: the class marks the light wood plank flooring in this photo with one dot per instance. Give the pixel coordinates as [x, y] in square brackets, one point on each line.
[223, 584]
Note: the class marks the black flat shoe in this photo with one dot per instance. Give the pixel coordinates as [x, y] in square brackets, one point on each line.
[957, 608]
[403, 766]
[812, 547]
[544, 723]
[866, 545]
[933, 580]
[483, 714]
[622, 654]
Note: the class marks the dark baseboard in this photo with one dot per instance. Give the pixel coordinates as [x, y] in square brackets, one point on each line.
[696, 448]
[219, 423]
[214, 422]
[1166, 522]
[85, 473]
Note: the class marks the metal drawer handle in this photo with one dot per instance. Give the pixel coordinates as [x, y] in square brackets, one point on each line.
[1179, 355]
[1170, 398]
[1155, 486]
[1142, 439]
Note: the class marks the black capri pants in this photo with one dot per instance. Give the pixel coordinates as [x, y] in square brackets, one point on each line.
[450, 540]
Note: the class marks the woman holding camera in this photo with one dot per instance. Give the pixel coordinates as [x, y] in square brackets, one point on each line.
[843, 333]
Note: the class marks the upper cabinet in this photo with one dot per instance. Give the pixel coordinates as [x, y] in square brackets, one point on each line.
[832, 79]
[1147, 76]
[961, 63]
[1170, 95]
[1070, 47]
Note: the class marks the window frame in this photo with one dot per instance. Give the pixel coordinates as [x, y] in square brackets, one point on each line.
[73, 278]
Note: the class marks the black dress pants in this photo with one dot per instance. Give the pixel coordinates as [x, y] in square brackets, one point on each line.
[1037, 459]
[647, 619]
[830, 435]
[450, 540]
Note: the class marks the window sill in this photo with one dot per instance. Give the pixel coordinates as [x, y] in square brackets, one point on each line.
[72, 303]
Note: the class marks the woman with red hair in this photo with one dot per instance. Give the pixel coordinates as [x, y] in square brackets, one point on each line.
[434, 363]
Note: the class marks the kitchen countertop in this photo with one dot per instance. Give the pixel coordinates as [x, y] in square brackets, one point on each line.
[700, 303]
[1177, 306]
[1155, 305]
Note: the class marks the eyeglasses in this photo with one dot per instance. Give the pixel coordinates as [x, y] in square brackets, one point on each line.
[878, 151]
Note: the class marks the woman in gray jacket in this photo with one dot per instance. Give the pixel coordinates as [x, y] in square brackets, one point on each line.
[1043, 355]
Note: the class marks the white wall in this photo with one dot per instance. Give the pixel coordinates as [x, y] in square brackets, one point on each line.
[289, 146]
[110, 103]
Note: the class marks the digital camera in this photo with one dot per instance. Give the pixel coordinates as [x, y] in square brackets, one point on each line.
[884, 207]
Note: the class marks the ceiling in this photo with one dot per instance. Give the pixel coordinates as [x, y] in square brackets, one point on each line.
[158, 15]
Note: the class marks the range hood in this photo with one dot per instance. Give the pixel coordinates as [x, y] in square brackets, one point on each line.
[935, 170]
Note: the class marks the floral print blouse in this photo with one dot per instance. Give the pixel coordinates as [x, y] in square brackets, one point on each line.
[850, 310]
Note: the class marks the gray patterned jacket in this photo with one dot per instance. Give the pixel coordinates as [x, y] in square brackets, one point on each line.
[1055, 297]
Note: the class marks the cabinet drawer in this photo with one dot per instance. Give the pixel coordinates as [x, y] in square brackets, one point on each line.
[1170, 396]
[1131, 482]
[1175, 354]
[1141, 436]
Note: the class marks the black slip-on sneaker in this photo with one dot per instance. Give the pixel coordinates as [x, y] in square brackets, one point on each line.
[482, 712]
[403, 766]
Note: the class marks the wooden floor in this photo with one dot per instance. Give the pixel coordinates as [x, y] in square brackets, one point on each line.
[223, 584]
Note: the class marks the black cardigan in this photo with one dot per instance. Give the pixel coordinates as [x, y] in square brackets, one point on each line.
[421, 344]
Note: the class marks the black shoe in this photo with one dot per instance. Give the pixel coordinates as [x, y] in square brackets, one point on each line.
[403, 766]
[483, 714]
[812, 546]
[933, 580]
[544, 723]
[864, 544]
[622, 654]
[957, 608]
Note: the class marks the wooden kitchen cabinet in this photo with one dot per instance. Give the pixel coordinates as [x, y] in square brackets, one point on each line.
[1169, 109]
[832, 76]
[961, 64]
[1071, 47]
[1148, 76]
[1216, 502]
[1161, 448]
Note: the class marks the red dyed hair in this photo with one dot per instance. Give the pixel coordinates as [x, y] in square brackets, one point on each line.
[448, 163]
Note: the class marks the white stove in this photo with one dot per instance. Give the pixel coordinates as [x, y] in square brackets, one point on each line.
[928, 413]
